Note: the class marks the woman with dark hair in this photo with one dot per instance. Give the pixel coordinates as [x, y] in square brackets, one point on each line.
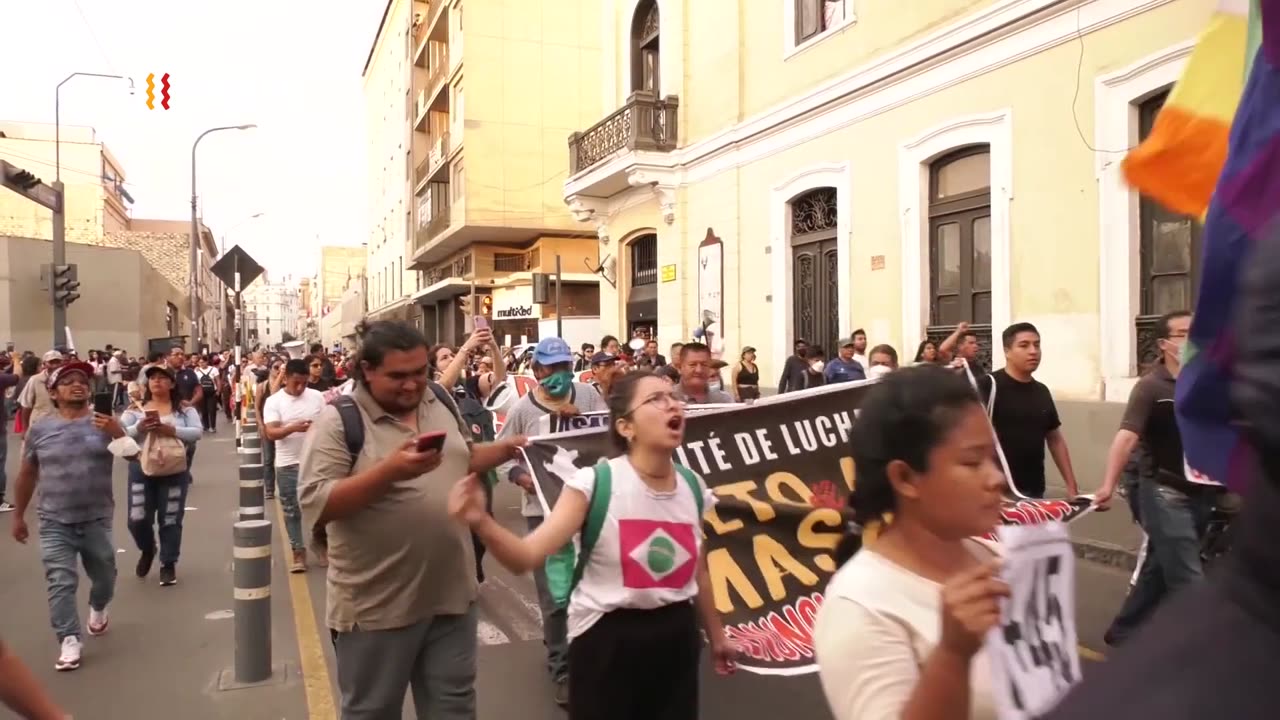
[633, 626]
[901, 628]
[745, 379]
[159, 500]
[610, 344]
[926, 352]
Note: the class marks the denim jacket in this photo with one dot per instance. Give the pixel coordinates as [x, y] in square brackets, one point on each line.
[186, 424]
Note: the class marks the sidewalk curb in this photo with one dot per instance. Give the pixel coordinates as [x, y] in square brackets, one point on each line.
[1105, 554]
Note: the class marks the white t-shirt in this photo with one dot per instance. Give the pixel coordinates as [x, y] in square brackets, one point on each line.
[284, 408]
[878, 624]
[648, 551]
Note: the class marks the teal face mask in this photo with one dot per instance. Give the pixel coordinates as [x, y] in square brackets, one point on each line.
[557, 384]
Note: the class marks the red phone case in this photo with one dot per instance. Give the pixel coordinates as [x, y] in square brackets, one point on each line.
[431, 441]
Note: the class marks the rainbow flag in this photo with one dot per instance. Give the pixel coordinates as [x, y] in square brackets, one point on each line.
[1246, 202]
[1178, 164]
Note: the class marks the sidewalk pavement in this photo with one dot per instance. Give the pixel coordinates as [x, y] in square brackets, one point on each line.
[166, 646]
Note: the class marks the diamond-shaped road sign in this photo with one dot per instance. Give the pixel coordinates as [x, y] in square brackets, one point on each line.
[235, 261]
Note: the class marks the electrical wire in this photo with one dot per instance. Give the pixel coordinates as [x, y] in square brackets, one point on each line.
[1075, 97]
[101, 50]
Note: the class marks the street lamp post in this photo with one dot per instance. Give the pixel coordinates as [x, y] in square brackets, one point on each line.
[60, 214]
[193, 259]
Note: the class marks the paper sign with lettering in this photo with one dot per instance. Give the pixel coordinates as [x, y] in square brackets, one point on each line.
[782, 471]
[1032, 652]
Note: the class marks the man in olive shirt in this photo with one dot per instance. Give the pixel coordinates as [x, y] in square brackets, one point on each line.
[401, 580]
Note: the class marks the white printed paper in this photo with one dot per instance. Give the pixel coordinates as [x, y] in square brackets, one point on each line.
[1033, 653]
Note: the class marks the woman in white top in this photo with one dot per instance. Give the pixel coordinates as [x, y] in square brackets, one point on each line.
[900, 633]
[633, 616]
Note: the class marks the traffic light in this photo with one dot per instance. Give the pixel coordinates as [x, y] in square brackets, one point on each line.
[486, 305]
[29, 186]
[65, 284]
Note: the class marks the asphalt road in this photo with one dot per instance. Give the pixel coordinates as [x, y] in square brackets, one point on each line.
[168, 647]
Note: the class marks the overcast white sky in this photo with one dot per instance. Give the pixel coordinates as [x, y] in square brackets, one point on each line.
[292, 68]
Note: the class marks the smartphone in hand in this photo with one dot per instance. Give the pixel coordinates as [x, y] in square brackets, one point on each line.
[431, 441]
[481, 322]
[102, 403]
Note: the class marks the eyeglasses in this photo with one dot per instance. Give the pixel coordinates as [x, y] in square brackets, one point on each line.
[660, 400]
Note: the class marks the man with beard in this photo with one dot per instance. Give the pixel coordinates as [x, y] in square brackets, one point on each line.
[401, 583]
[557, 393]
[67, 455]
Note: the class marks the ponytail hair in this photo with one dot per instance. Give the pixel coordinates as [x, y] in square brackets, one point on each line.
[904, 417]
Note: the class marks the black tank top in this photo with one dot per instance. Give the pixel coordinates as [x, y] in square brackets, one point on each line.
[748, 377]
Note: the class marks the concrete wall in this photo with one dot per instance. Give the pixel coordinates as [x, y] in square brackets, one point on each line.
[123, 301]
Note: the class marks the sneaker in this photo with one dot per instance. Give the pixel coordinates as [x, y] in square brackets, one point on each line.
[6, 507]
[143, 567]
[168, 575]
[69, 658]
[299, 564]
[562, 692]
[98, 621]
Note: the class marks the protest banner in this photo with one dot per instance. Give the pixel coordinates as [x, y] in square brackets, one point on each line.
[782, 471]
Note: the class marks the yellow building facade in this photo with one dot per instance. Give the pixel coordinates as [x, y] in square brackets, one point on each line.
[801, 169]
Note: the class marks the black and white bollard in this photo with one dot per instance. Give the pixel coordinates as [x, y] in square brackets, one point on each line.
[252, 498]
[252, 577]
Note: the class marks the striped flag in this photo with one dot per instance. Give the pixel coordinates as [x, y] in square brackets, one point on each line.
[1245, 203]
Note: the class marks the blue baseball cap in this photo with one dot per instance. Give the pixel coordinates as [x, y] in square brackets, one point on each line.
[552, 351]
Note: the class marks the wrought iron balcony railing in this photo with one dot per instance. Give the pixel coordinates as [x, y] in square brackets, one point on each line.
[644, 122]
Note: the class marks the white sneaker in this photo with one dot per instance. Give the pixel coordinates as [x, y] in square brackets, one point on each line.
[6, 507]
[98, 621]
[70, 657]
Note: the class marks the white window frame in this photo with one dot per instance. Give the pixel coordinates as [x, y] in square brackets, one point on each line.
[1117, 99]
[995, 130]
[840, 177]
[790, 48]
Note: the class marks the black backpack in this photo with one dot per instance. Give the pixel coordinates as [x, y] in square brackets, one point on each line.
[353, 424]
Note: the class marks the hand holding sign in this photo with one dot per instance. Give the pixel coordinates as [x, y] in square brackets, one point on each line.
[1033, 653]
[971, 607]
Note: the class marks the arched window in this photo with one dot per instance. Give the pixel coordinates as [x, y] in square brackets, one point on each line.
[960, 244]
[645, 64]
[815, 277]
[1168, 254]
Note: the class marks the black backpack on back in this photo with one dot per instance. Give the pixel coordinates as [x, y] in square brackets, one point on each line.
[353, 424]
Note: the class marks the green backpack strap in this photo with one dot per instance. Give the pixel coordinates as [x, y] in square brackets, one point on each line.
[597, 511]
[694, 485]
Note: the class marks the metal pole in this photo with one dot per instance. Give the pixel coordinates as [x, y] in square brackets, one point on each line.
[59, 258]
[222, 300]
[252, 577]
[559, 318]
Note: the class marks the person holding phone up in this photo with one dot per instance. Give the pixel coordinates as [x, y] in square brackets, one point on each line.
[288, 415]
[164, 428]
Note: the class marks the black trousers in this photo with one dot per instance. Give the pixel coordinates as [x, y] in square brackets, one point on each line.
[209, 410]
[637, 665]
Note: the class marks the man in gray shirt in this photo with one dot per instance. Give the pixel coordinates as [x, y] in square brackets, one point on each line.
[66, 454]
[556, 393]
[695, 375]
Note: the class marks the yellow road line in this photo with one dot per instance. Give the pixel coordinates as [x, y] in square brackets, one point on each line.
[315, 670]
[1090, 655]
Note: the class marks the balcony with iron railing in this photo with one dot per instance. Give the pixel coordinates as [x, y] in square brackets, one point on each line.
[644, 122]
[438, 223]
[459, 267]
[508, 262]
[437, 74]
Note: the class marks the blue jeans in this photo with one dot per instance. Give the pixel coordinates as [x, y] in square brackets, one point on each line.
[287, 478]
[1175, 522]
[555, 620]
[61, 544]
[157, 501]
[269, 466]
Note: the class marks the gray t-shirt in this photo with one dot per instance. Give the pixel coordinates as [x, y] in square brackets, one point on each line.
[74, 467]
[522, 419]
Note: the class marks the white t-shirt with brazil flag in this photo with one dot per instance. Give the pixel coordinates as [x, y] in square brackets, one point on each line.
[647, 554]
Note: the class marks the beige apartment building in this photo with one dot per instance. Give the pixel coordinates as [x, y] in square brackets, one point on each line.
[98, 213]
[470, 102]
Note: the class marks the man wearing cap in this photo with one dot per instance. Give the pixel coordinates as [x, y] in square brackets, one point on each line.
[67, 454]
[845, 367]
[604, 370]
[34, 400]
[556, 393]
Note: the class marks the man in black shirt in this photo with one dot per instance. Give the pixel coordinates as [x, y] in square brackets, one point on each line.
[795, 371]
[187, 385]
[1024, 415]
[1174, 511]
